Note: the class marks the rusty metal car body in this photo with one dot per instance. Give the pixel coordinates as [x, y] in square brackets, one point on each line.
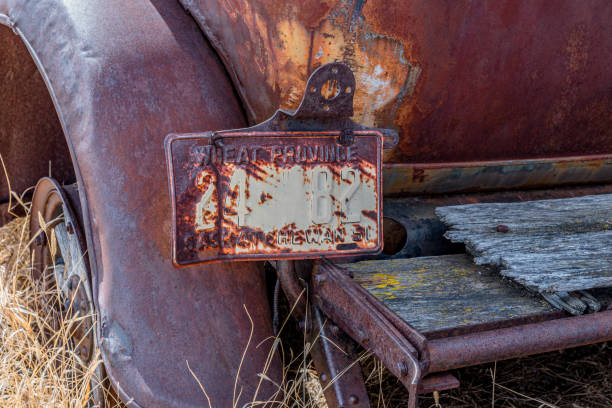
[487, 98]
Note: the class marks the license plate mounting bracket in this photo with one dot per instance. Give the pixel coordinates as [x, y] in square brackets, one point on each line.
[302, 184]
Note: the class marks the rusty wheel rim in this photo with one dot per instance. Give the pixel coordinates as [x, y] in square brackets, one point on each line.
[60, 262]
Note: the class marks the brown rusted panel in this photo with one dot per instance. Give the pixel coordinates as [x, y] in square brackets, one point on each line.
[460, 81]
[495, 175]
[32, 143]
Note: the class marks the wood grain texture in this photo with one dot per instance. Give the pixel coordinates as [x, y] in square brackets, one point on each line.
[548, 245]
[439, 292]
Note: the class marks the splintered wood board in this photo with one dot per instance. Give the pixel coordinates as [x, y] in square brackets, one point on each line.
[440, 292]
[550, 245]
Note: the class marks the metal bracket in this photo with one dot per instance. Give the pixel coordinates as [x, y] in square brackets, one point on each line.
[400, 347]
[327, 104]
[337, 362]
[333, 352]
[329, 93]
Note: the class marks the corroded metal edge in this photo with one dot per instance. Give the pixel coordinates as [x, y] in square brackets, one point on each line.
[519, 341]
[460, 177]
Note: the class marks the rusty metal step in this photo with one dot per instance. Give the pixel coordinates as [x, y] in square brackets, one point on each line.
[433, 314]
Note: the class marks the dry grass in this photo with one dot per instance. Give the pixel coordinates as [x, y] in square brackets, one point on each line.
[575, 378]
[38, 369]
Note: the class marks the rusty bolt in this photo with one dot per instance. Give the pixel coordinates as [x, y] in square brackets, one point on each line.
[347, 137]
[70, 228]
[353, 399]
[190, 242]
[502, 228]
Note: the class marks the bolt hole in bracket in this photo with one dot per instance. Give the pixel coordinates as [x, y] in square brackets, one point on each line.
[325, 98]
[303, 184]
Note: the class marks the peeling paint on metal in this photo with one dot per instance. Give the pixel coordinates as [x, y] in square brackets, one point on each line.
[434, 71]
[115, 342]
[287, 43]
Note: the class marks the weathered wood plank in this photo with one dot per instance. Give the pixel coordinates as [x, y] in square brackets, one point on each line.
[548, 245]
[439, 292]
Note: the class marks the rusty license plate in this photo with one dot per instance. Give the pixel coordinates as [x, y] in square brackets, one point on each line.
[274, 195]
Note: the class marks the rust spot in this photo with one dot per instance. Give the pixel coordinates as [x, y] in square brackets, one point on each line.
[264, 197]
[370, 214]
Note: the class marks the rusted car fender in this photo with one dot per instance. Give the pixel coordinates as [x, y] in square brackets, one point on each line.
[459, 80]
[122, 76]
